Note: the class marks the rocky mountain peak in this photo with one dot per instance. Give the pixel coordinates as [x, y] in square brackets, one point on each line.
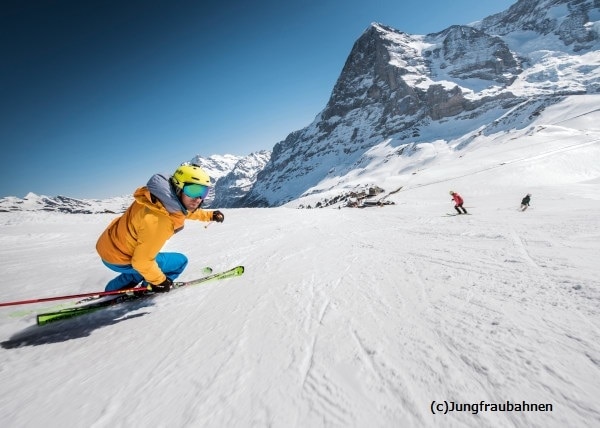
[369, 74]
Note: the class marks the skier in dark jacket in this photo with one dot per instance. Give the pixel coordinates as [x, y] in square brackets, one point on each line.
[458, 202]
[525, 202]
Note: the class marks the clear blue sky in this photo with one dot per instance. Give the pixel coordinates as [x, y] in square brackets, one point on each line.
[96, 96]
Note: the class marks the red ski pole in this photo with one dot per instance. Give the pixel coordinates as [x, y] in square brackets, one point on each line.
[70, 296]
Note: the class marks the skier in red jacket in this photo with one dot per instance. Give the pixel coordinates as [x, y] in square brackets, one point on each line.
[458, 202]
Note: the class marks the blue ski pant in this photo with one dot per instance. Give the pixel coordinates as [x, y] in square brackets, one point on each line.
[172, 264]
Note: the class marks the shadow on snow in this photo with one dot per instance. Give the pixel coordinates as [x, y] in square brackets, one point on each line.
[75, 328]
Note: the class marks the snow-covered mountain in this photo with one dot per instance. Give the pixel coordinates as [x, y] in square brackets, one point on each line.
[216, 166]
[233, 176]
[238, 182]
[64, 204]
[400, 94]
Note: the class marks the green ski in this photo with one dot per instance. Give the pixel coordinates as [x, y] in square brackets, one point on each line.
[49, 317]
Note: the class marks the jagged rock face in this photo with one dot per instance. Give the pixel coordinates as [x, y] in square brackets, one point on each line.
[384, 66]
[465, 53]
[368, 77]
[542, 16]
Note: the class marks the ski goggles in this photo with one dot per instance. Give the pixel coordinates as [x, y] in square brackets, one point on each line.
[196, 190]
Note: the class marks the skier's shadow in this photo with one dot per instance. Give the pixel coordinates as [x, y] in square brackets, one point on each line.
[74, 328]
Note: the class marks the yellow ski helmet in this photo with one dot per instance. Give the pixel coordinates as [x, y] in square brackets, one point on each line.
[452, 192]
[188, 173]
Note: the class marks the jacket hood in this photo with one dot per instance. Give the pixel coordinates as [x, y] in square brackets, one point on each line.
[160, 187]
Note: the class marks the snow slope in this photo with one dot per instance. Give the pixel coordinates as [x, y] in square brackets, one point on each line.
[344, 317]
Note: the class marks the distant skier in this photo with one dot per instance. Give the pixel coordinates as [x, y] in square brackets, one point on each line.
[458, 202]
[131, 244]
[525, 202]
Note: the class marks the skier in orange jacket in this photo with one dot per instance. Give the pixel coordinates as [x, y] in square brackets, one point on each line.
[131, 244]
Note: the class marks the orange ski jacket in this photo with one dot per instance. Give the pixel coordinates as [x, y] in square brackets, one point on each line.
[138, 235]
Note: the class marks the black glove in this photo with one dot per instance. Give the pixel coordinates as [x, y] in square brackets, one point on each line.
[163, 287]
[218, 216]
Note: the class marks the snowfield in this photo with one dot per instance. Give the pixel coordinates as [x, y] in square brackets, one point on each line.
[374, 317]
